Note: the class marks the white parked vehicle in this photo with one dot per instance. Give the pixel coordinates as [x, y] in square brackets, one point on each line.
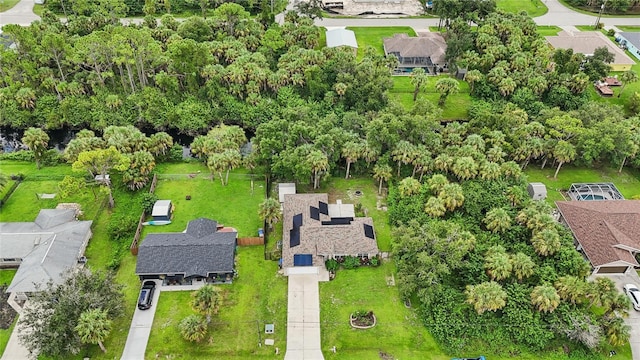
[634, 295]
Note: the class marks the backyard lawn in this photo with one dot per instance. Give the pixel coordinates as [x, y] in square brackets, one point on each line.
[372, 36]
[455, 107]
[627, 182]
[532, 7]
[257, 297]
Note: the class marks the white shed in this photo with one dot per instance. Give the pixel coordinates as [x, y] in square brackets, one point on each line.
[537, 191]
[162, 210]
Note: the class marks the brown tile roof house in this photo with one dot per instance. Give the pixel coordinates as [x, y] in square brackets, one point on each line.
[425, 51]
[607, 231]
[310, 230]
[586, 42]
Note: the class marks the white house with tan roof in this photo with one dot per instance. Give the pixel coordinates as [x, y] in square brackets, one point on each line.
[315, 231]
[606, 232]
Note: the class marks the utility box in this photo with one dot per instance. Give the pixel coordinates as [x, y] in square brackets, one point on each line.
[537, 191]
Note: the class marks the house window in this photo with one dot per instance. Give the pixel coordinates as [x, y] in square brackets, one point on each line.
[9, 259]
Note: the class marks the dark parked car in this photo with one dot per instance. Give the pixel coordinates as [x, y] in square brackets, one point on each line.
[146, 295]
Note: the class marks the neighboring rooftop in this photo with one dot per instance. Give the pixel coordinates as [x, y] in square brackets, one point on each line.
[48, 247]
[608, 231]
[632, 37]
[341, 37]
[586, 42]
[198, 251]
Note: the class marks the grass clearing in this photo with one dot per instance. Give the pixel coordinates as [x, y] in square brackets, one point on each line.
[399, 332]
[620, 96]
[257, 297]
[455, 107]
[627, 182]
[372, 36]
[629, 28]
[548, 30]
[235, 204]
[533, 8]
[7, 4]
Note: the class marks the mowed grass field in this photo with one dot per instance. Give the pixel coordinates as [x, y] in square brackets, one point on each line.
[455, 108]
[258, 296]
[533, 8]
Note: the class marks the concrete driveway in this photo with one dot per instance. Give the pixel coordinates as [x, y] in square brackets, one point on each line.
[140, 329]
[21, 14]
[303, 318]
[634, 316]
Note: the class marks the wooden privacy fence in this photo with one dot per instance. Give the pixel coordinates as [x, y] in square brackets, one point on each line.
[136, 238]
[247, 241]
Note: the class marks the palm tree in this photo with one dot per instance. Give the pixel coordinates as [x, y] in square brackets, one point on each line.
[434, 207]
[37, 141]
[443, 162]
[351, 151]
[216, 164]
[446, 86]
[571, 288]
[318, 163]
[436, 182]
[26, 98]
[233, 160]
[564, 152]
[617, 332]
[627, 77]
[465, 168]
[507, 86]
[409, 186]
[340, 89]
[422, 161]
[486, 296]
[206, 301]
[159, 143]
[473, 76]
[452, 196]
[381, 172]
[511, 168]
[516, 195]
[270, 211]
[403, 153]
[418, 79]
[545, 298]
[193, 328]
[523, 266]
[498, 265]
[476, 142]
[489, 170]
[546, 242]
[141, 165]
[498, 220]
[93, 327]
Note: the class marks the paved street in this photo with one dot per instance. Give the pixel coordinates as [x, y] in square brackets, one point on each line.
[21, 14]
[140, 329]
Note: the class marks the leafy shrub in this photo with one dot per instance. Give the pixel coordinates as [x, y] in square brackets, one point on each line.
[17, 177]
[122, 226]
[374, 261]
[351, 262]
[51, 157]
[114, 263]
[332, 265]
[147, 201]
[611, 32]
[21, 155]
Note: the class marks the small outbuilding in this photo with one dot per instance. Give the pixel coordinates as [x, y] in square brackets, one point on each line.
[162, 210]
[537, 191]
[285, 189]
[342, 38]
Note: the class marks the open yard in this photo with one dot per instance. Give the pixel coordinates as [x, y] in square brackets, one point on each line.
[532, 7]
[627, 182]
[7, 4]
[257, 297]
[454, 109]
[372, 36]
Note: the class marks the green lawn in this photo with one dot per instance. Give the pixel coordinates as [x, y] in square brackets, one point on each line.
[454, 109]
[372, 36]
[627, 182]
[398, 332]
[7, 4]
[257, 297]
[550, 30]
[620, 96]
[6, 275]
[630, 28]
[235, 204]
[10, 167]
[532, 7]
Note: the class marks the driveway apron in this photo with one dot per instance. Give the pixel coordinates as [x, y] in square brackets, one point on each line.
[140, 329]
[303, 318]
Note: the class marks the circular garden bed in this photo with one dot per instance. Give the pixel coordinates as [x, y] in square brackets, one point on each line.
[362, 320]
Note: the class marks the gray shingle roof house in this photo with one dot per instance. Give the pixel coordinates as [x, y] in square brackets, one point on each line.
[341, 37]
[426, 51]
[320, 231]
[42, 250]
[630, 40]
[203, 252]
[586, 42]
[607, 232]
